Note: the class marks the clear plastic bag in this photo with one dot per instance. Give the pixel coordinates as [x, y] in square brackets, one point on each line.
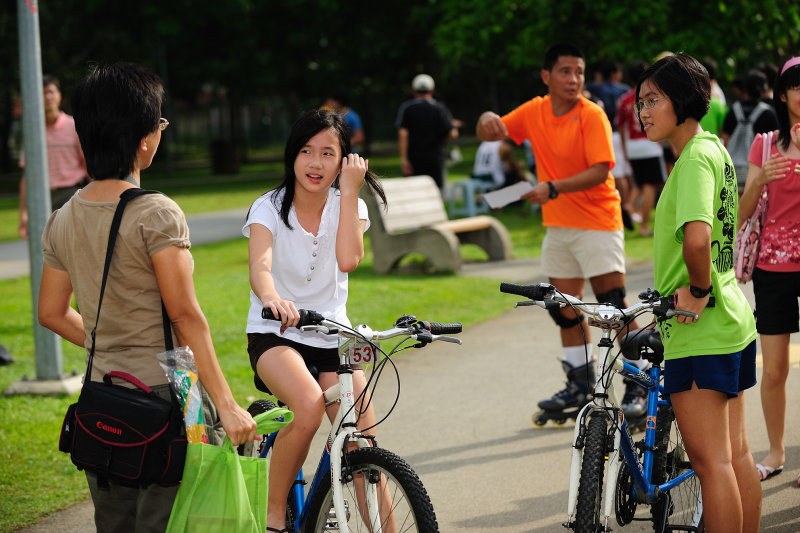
[181, 371]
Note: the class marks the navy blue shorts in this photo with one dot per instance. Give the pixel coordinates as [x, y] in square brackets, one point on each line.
[728, 373]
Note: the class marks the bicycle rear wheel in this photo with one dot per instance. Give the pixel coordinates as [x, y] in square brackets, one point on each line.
[388, 481]
[681, 508]
[590, 489]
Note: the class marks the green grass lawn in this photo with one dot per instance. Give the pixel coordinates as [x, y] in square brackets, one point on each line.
[36, 479]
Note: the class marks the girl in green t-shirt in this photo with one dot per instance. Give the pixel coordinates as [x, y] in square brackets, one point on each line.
[709, 360]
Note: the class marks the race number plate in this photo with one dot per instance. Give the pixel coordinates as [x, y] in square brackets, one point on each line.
[362, 355]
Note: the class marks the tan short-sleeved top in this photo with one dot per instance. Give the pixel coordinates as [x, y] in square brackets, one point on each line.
[130, 332]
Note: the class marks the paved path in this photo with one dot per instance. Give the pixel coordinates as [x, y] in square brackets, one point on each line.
[484, 465]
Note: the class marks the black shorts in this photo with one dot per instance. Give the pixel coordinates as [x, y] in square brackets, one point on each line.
[317, 359]
[648, 171]
[776, 301]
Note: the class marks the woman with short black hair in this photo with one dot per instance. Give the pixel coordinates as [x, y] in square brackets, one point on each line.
[710, 359]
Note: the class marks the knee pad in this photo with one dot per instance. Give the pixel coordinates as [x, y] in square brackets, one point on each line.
[614, 297]
[562, 321]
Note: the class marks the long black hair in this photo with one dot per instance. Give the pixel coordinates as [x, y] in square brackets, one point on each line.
[790, 79]
[308, 125]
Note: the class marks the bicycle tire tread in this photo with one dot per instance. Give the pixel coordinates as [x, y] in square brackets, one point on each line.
[590, 488]
[399, 469]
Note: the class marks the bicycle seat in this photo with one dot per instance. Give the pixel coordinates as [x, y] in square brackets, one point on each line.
[643, 343]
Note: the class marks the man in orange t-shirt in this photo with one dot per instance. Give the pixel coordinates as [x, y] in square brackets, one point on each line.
[571, 140]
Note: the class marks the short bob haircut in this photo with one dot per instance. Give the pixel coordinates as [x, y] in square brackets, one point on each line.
[560, 50]
[307, 126]
[115, 107]
[684, 80]
[788, 80]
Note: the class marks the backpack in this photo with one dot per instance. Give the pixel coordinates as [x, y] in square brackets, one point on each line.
[742, 138]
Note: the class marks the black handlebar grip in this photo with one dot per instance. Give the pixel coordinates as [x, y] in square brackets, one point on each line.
[307, 317]
[533, 292]
[441, 329]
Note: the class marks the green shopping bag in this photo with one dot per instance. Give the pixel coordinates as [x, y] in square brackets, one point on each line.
[223, 491]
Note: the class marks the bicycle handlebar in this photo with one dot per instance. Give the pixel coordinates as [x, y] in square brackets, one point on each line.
[421, 329]
[307, 317]
[539, 291]
[435, 328]
[546, 296]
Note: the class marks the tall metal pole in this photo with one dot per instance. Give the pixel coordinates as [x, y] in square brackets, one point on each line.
[49, 360]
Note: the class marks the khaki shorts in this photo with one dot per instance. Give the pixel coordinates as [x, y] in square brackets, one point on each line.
[581, 253]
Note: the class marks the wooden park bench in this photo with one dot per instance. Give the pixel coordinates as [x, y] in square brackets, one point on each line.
[416, 222]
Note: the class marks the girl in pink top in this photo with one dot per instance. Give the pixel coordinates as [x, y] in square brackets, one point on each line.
[776, 279]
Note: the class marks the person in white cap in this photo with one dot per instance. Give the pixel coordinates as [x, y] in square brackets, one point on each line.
[424, 125]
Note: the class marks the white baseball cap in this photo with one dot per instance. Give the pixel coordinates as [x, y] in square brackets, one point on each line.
[422, 83]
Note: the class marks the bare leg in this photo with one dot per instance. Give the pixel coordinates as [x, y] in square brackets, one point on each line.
[704, 421]
[744, 466]
[282, 369]
[775, 350]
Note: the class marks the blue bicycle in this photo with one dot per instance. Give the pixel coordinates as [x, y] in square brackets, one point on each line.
[358, 486]
[654, 471]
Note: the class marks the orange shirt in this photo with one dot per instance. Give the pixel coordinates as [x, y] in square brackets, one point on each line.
[564, 146]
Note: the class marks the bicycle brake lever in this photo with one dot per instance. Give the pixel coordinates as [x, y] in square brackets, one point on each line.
[423, 338]
[454, 340]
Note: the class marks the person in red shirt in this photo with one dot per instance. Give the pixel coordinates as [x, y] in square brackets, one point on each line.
[65, 161]
[645, 156]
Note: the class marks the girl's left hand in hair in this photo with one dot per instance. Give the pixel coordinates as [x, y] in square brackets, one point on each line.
[354, 168]
[795, 132]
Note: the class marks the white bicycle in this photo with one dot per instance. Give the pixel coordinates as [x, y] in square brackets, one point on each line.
[357, 485]
[654, 471]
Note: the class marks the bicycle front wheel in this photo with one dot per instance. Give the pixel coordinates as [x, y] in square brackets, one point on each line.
[381, 493]
[590, 489]
[681, 508]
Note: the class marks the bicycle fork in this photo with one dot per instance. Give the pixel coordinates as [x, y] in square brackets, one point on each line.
[337, 448]
[603, 390]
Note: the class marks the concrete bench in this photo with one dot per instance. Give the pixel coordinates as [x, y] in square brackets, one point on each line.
[416, 222]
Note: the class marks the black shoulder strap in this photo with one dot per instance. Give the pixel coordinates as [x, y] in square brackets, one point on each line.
[124, 198]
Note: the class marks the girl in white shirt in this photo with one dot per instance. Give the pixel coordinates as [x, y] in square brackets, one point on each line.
[305, 236]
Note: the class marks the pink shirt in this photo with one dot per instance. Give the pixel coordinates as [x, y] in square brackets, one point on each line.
[780, 238]
[64, 155]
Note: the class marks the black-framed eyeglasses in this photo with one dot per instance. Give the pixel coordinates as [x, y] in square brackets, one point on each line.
[647, 103]
[163, 123]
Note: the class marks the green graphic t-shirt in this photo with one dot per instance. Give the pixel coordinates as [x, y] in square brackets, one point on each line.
[701, 187]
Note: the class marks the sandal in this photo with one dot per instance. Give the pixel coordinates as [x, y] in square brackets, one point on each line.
[765, 472]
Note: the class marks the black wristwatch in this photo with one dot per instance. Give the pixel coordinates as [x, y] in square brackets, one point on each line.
[697, 292]
[553, 190]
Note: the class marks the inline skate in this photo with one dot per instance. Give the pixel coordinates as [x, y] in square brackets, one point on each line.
[567, 403]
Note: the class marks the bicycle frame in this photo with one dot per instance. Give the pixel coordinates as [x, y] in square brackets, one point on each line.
[605, 401]
[343, 430]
